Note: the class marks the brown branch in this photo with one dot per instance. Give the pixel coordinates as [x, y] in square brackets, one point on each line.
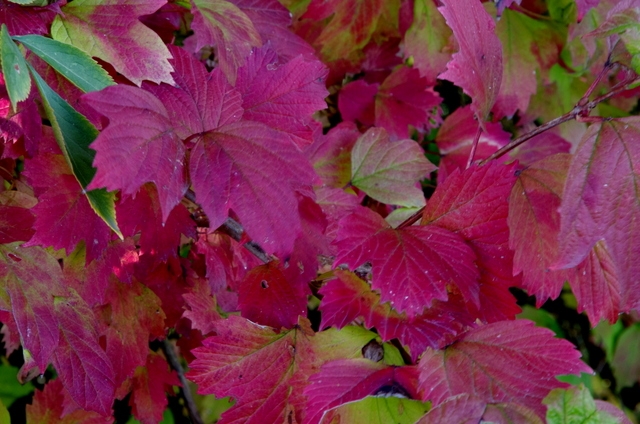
[170, 353]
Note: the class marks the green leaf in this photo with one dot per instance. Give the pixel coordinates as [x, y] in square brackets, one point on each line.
[575, 406]
[626, 359]
[5, 418]
[71, 62]
[74, 133]
[36, 3]
[378, 410]
[14, 69]
[11, 389]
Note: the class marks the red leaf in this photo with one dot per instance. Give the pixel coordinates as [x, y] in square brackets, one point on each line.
[473, 203]
[264, 371]
[356, 102]
[222, 24]
[405, 99]
[487, 362]
[15, 224]
[477, 66]
[84, 368]
[267, 297]
[64, 216]
[348, 298]
[455, 138]
[539, 147]
[249, 168]
[600, 202]
[203, 310]
[138, 146]
[411, 267]
[347, 380]
[142, 214]
[31, 277]
[151, 384]
[269, 89]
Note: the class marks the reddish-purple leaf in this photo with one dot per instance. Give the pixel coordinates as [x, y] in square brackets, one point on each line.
[21, 129]
[600, 201]
[150, 386]
[250, 168]
[113, 32]
[15, 224]
[473, 203]
[405, 100]
[411, 267]
[21, 20]
[31, 277]
[508, 361]
[347, 380]
[64, 216]
[357, 102]
[455, 138]
[84, 368]
[477, 66]
[203, 310]
[267, 297]
[428, 40]
[388, 171]
[138, 146]
[222, 24]
[283, 96]
[330, 154]
[534, 223]
[539, 147]
[348, 298]
[336, 204]
[584, 6]
[460, 409]
[143, 214]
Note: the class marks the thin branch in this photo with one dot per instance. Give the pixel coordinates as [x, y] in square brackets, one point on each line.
[474, 146]
[170, 353]
[412, 219]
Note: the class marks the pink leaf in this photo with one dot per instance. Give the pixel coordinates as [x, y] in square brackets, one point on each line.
[508, 361]
[411, 267]
[330, 154]
[356, 102]
[600, 202]
[250, 168]
[203, 311]
[138, 146]
[15, 224]
[477, 66]
[269, 89]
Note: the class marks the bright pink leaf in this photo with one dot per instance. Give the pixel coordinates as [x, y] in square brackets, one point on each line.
[143, 214]
[139, 145]
[405, 100]
[112, 31]
[477, 66]
[31, 277]
[508, 361]
[600, 201]
[283, 96]
[15, 224]
[534, 223]
[84, 368]
[455, 138]
[267, 297]
[411, 267]
[64, 216]
[347, 380]
[150, 386]
[473, 203]
[348, 298]
[222, 24]
[250, 168]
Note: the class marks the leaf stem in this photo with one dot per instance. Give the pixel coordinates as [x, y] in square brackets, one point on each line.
[170, 353]
[474, 146]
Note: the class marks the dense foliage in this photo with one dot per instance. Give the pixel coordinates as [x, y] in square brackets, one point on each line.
[319, 211]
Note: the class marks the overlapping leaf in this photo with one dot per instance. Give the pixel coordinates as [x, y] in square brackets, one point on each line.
[150, 386]
[477, 66]
[508, 361]
[378, 410]
[411, 267]
[111, 31]
[576, 404]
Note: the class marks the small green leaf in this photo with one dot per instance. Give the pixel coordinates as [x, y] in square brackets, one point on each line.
[74, 133]
[71, 62]
[11, 389]
[5, 418]
[14, 69]
[575, 405]
[36, 3]
[378, 410]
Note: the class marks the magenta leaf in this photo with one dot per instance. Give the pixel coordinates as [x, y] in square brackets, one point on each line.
[222, 24]
[250, 168]
[477, 66]
[330, 154]
[15, 224]
[21, 20]
[139, 145]
[357, 102]
[84, 368]
[508, 361]
[411, 267]
[347, 380]
[267, 297]
[270, 88]
[202, 309]
[600, 202]
[150, 386]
